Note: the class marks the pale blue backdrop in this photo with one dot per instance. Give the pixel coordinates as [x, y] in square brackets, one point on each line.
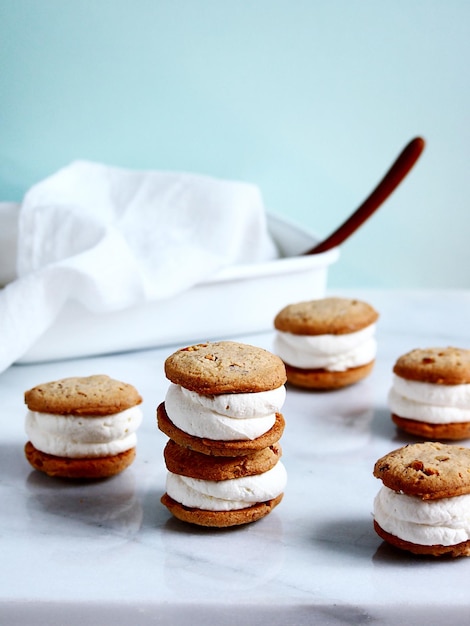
[311, 100]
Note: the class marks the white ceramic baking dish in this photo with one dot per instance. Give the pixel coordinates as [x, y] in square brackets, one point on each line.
[238, 300]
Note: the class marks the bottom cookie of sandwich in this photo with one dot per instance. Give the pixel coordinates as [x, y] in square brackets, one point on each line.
[79, 468]
[437, 432]
[459, 549]
[220, 519]
[322, 379]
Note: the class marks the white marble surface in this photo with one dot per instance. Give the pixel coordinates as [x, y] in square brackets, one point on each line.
[110, 553]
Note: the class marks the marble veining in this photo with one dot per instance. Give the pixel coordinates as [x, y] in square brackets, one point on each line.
[109, 552]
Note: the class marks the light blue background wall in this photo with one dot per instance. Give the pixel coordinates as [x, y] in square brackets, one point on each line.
[311, 100]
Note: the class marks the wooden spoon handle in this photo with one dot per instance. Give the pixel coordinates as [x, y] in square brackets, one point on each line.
[397, 172]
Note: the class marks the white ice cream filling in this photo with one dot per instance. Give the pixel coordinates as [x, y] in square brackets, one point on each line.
[335, 353]
[227, 495]
[225, 417]
[443, 522]
[79, 436]
[429, 402]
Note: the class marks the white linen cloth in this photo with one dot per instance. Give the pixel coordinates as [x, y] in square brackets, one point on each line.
[112, 238]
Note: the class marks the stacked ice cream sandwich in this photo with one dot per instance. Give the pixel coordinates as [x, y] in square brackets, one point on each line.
[222, 416]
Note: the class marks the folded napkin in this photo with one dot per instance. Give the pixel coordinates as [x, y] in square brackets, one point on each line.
[113, 238]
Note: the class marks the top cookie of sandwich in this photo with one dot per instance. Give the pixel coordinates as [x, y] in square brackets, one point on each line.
[91, 395]
[225, 367]
[429, 470]
[326, 316]
[445, 366]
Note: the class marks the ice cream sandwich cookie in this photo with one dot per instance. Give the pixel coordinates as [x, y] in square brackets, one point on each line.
[222, 413]
[326, 343]
[423, 506]
[225, 398]
[430, 393]
[222, 491]
[82, 427]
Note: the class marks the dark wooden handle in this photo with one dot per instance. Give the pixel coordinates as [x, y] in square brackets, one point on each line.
[397, 172]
